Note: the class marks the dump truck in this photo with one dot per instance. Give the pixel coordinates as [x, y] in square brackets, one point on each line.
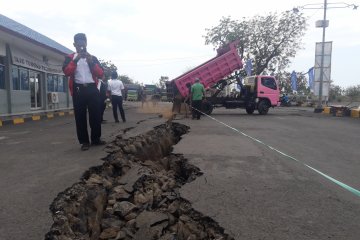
[132, 92]
[255, 92]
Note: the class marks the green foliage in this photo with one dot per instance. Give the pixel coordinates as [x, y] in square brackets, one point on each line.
[269, 41]
[125, 79]
[284, 79]
[108, 67]
[353, 92]
[335, 93]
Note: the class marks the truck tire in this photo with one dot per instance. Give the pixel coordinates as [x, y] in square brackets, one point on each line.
[207, 107]
[250, 110]
[263, 107]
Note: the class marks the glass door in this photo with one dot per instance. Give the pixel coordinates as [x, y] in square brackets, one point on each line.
[35, 90]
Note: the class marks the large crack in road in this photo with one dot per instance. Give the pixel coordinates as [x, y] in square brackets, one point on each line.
[134, 194]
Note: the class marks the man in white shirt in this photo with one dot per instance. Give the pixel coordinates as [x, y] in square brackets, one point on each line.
[116, 88]
[84, 71]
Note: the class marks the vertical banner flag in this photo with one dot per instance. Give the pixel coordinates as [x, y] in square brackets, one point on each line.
[248, 67]
[293, 81]
[311, 78]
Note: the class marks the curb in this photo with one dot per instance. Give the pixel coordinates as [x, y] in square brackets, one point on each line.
[16, 120]
[332, 111]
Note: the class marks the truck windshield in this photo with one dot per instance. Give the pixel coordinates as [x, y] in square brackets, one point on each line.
[268, 82]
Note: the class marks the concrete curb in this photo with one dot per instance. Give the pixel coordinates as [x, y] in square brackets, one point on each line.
[16, 120]
[353, 113]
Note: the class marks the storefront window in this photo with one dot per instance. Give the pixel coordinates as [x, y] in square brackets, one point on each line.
[55, 78]
[24, 79]
[15, 78]
[55, 83]
[50, 83]
[61, 84]
[2, 76]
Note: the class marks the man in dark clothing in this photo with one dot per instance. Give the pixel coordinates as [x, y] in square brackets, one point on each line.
[103, 97]
[83, 71]
[116, 89]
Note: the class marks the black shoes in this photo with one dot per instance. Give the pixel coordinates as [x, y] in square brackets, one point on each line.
[117, 121]
[85, 147]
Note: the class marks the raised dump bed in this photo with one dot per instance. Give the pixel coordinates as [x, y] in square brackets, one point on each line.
[210, 72]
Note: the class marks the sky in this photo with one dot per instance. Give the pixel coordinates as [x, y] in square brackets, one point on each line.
[147, 39]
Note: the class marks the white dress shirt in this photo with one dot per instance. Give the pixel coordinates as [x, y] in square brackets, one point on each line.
[115, 86]
[82, 73]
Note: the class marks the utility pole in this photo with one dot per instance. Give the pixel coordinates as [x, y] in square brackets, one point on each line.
[324, 24]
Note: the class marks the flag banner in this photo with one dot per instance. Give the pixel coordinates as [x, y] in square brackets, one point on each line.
[293, 81]
[311, 78]
[248, 67]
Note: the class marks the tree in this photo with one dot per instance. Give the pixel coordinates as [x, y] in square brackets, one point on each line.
[335, 92]
[125, 79]
[353, 92]
[108, 67]
[269, 41]
[284, 79]
[162, 81]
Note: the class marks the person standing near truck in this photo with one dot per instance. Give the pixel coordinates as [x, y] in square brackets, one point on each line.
[197, 95]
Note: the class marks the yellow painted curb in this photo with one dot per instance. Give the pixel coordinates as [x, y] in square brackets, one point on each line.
[355, 113]
[326, 110]
[61, 114]
[35, 118]
[18, 120]
[50, 115]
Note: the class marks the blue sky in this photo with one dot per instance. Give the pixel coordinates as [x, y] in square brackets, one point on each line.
[148, 39]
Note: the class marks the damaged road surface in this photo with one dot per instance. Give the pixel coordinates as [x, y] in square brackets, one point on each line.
[134, 194]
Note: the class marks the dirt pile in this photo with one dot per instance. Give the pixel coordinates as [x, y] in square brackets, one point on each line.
[134, 194]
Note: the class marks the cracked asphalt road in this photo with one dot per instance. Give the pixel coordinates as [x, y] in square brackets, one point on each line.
[251, 191]
[40, 159]
[256, 193]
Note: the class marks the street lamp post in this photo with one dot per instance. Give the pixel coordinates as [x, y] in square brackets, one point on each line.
[324, 25]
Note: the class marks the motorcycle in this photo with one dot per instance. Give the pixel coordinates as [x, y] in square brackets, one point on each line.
[285, 101]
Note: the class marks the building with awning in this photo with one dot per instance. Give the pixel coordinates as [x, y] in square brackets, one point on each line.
[31, 77]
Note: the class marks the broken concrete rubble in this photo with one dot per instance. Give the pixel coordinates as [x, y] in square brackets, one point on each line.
[134, 194]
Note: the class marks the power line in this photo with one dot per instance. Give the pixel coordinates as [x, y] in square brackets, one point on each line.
[158, 59]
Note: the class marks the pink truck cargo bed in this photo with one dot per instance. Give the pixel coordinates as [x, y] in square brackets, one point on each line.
[212, 71]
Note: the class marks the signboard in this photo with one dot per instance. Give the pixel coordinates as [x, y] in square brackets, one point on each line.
[326, 69]
[34, 61]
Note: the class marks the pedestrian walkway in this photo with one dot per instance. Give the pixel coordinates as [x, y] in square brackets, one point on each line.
[33, 116]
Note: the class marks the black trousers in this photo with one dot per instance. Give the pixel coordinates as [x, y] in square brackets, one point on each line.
[102, 108]
[86, 99]
[117, 102]
[196, 104]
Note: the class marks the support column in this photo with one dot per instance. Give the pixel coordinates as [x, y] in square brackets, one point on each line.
[8, 78]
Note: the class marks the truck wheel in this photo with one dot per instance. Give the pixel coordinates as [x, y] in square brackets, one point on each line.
[263, 107]
[250, 110]
[207, 107]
